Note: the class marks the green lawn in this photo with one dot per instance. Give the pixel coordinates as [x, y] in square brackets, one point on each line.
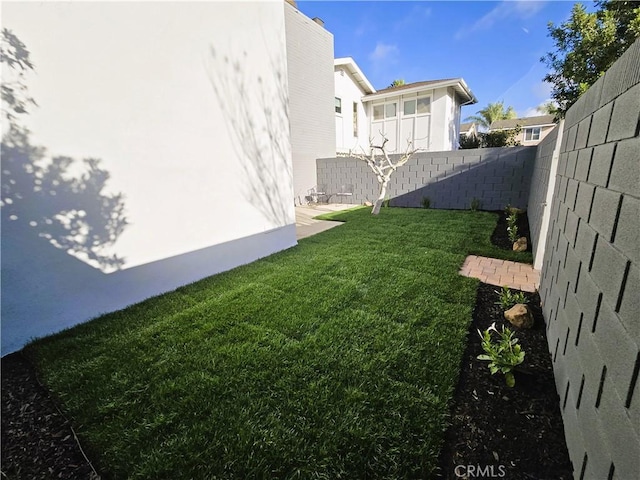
[334, 359]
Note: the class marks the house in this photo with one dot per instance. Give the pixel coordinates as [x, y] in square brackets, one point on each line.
[469, 129]
[427, 114]
[351, 116]
[534, 129]
[188, 109]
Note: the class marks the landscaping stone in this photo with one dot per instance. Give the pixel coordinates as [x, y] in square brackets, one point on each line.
[520, 245]
[519, 316]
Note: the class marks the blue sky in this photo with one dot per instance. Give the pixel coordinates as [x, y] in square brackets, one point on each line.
[495, 46]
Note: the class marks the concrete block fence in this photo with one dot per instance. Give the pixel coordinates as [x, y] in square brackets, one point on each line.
[495, 176]
[590, 279]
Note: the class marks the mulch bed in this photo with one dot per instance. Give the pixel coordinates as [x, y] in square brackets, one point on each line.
[37, 440]
[500, 237]
[495, 432]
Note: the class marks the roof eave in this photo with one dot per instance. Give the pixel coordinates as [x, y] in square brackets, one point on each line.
[355, 71]
[459, 84]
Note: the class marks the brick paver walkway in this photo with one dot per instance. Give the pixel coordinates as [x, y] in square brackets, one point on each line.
[521, 276]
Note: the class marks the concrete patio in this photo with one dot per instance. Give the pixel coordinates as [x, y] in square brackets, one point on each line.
[306, 225]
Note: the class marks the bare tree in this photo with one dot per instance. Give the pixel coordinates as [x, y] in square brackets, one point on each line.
[383, 167]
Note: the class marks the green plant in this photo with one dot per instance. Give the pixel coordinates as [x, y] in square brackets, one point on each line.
[385, 203]
[512, 228]
[476, 204]
[508, 298]
[426, 202]
[503, 355]
[470, 141]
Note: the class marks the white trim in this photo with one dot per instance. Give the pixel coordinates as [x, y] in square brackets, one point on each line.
[355, 71]
[459, 85]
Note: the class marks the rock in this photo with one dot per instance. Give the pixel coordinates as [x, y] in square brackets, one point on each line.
[519, 316]
[520, 245]
[368, 204]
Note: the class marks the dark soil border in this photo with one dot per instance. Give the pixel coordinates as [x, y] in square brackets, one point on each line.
[37, 440]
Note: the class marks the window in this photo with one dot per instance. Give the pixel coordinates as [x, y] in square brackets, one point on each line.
[355, 119]
[378, 112]
[424, 105]
[390, 110]
[410, 107]
[338, 105]
[532, 133]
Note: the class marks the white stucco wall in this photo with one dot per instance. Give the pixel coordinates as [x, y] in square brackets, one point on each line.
[441, 117]
[311, 97]
[347, 89]
[186, 106]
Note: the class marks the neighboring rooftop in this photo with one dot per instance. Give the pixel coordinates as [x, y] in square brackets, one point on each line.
[539, 121]
[457, 83]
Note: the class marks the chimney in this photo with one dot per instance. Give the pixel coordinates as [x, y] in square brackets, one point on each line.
[318, 20]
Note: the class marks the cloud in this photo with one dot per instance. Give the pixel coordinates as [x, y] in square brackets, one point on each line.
[417, 14]
[530, 112]
[505, 10]
[542, 90]
[383, 53]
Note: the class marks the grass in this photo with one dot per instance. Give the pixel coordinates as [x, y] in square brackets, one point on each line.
[333, 359]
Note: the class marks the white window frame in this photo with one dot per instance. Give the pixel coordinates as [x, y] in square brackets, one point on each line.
[421, 97]
[534, 134]
[355, 119]
[373, 114]
[415, 99]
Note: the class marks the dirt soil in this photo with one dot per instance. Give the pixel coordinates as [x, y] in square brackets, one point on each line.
[37, 440]
[495, 432]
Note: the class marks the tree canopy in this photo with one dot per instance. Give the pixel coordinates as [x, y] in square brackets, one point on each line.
[491, 113]
[398, 82]
[587, 44]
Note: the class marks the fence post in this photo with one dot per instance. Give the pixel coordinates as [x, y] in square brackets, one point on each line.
[546, 212]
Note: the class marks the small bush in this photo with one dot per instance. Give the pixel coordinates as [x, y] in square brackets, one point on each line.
[470, 141]
[476, 204]
[503, 355]
[426, 202]
[512, 228]
[508, 298]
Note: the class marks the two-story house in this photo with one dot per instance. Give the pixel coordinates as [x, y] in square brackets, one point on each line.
[425, 114]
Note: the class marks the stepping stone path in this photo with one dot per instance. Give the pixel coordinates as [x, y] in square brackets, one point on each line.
[520, 276]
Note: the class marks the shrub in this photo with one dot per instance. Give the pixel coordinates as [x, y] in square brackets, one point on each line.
[476, 204]
[508, 298]
[426, 202]
[512, 228]
[470, 141]
[503, 355]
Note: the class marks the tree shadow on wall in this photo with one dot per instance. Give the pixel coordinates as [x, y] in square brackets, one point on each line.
[44, 199]
[257, 115]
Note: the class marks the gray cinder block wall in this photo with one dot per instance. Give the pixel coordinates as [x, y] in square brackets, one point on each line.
[495, 176]
[590, 282]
